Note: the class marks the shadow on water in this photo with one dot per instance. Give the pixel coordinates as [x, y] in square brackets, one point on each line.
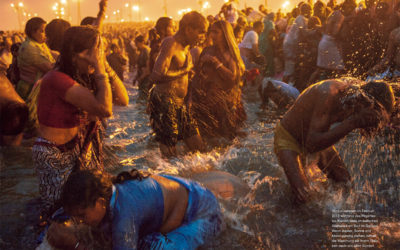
[265, 217]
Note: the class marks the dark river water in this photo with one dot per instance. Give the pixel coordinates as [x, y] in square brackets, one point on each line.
[264, 217]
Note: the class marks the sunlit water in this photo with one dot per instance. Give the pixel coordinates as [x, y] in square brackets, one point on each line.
[265, 218]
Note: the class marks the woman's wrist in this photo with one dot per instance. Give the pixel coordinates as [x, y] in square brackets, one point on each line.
[99, 68]
[107, 67]
[101, 77]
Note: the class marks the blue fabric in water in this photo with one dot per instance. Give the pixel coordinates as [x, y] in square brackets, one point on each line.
[58, 216]
[133, 204]
[285, 89]
[137, 210]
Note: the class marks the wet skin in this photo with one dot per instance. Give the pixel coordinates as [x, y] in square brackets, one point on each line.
[175, 203]
[309, 121]
[171, 74]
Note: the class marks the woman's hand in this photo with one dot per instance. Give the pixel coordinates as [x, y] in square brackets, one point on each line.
[103, 5]
[95, 57]
[211, 59]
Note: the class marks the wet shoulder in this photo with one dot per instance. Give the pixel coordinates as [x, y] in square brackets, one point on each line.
[173, 182]
[139, 189]
[329, 87]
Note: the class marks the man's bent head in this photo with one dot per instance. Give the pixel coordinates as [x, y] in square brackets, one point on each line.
[382, 92]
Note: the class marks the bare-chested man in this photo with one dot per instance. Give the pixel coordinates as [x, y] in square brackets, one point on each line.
[169, 115]
[307, 128]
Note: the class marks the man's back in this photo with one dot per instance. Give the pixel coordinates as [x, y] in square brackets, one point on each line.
[318, 103]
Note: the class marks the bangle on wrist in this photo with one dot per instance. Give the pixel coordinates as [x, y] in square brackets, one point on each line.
[219, 65]
[100, 77]
[108, 68]
[77, 245]
[112, 74]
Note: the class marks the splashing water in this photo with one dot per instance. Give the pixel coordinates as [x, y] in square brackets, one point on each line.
[354, 98]
[264, 217]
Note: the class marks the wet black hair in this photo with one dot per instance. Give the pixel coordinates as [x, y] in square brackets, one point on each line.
[153, 35]
[382, 93]
[319, 4]
[84, 188]
[162, 23]
[295, 12]
[210, 19]
[76, 40]
[55, 33]
[192, 19]
[139, 39]
[305, 8]
[257, 24]
[33, 25]
[89, 20]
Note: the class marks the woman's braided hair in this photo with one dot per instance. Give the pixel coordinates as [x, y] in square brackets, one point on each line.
[83, 188]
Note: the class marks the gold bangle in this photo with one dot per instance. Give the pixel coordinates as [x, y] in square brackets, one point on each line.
[100, 77]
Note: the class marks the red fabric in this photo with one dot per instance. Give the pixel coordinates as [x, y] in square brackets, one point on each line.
[52, 109]
[252, 74]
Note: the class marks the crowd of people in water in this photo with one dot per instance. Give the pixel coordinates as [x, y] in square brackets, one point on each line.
[330, 68]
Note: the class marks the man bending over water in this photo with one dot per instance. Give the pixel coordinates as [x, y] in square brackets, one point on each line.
[169, 116]
[307, 128]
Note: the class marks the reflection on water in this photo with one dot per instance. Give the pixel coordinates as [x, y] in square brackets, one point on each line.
[264, 218]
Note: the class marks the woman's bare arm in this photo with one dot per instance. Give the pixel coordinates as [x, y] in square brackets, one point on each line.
[101, 15]
[81, 97]
[119, 94]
